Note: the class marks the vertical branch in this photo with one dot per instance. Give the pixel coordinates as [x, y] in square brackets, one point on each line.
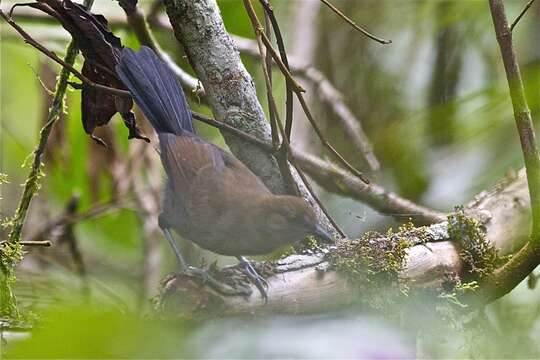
[267, 69]
[280, 152]
[525, 261]
[522, 113]
[269, 15]
[32, 185]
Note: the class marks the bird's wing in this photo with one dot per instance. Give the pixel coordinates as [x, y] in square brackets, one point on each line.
[187, 158]
[183, 158]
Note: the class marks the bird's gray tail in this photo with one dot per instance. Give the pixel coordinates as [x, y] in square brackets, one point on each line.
[155, 90]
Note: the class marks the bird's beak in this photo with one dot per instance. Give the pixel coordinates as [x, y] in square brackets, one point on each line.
[322, 234]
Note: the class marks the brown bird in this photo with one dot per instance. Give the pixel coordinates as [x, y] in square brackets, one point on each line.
[211, 198]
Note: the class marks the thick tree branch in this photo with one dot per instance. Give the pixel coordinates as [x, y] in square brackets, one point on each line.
[336, 180]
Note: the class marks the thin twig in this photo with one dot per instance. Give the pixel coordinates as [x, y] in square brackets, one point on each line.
[280, 150]
[268, 44]
[326, 143]
[45, 243]
[529, 4]
[267, 70]
[353, 24]
[269, 14]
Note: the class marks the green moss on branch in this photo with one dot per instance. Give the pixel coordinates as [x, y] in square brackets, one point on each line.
[373, 262]
[478, 254]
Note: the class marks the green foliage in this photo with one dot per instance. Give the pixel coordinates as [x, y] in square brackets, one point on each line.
[98, 332]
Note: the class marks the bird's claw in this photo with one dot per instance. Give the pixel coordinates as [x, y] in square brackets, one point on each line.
[260, 282]
[217, 285]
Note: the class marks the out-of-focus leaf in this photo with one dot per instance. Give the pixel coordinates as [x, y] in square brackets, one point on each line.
[91, 332]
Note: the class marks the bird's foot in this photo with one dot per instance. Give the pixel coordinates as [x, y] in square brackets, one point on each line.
[206, 278]
[257, 280]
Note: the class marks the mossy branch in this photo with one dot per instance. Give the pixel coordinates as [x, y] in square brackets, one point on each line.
[11, 250]
[441, 260]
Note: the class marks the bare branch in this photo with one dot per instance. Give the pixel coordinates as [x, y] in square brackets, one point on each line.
[31, 243]
[336, 180]
[529, 4]
[353, 24]
[269, 12]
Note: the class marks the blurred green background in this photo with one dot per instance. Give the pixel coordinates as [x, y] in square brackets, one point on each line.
[434, 104]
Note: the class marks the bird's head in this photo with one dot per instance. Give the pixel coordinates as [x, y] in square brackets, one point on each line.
[293, 218]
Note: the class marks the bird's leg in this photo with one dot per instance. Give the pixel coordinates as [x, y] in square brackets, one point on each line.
[202, 273]
[259, 281]
[174, 245]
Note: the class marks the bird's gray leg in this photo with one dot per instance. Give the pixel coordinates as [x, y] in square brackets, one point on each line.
[202, 273]
[174, 245]
[255, 278]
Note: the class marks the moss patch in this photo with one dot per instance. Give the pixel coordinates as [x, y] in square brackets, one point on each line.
[479, 255]
[373, 262]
